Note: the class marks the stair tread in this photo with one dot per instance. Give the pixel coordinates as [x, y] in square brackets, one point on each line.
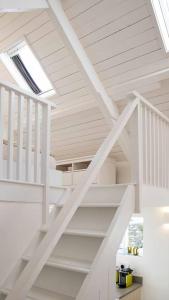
[67, 264]
[96, 204]
[38, 293]
[84, 232]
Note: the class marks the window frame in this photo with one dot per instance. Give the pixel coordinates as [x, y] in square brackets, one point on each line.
[5, 57]
[160, 19]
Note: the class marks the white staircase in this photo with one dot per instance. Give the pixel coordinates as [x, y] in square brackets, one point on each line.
[81, 245]
[73, 255]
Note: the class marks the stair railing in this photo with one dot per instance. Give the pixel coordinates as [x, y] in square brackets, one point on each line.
[155, 145]
[24, 138]
[55, 231]
[151, 132]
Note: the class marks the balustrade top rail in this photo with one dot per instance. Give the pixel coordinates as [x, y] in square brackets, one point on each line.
[153, 108]
[18, 90]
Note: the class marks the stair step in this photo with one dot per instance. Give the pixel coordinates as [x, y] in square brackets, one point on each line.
[96, 205]
[66, 264]
[37, 293]
[81, 232]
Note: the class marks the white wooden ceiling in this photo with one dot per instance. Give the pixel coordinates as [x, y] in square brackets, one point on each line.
[122, 42]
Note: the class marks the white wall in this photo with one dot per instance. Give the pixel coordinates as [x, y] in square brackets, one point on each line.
[156, 255]
[18, 224]
[154, 265]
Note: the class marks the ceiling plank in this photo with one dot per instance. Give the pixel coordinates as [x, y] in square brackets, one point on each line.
[70, 39]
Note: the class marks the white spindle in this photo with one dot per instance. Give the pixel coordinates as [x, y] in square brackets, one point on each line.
[1, 131]
[10, 135]
[153, 147]
[150, 146]
[146, 144]
[37, 144]
[19, 162]
[46, 110]
[158, 151]
[167, 164]
[29, 140]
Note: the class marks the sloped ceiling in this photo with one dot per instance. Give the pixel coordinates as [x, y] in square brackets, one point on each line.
[123, 43]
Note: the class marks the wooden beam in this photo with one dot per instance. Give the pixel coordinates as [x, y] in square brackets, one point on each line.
[20, 5]
[70, 39]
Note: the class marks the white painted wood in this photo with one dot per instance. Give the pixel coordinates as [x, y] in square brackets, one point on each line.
[29, 140]
[37, 143]
[99, 280]
[18, 5]
[46, 110]
[13, 191]
[1, 131]
[33, 268]
[137, 152]
[15, 89]
[70, 38]
[19, 163]
[10, 135]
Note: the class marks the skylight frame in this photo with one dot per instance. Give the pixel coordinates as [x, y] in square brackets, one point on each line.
[161, 12]
[6, 58]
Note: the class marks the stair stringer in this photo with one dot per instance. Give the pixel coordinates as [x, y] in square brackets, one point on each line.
[36, 238]
[98, 284]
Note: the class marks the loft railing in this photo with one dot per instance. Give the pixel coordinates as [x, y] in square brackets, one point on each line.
[24, 138]
[146, 120]
[155, 145]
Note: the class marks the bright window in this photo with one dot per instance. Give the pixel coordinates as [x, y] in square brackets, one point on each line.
[133, 237]
[26, 70]
[161, 10]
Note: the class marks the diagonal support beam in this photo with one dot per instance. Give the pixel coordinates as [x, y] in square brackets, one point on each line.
[107, 106]
[20, 5]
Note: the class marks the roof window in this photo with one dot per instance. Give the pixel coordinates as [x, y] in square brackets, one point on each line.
[161, 10]
[26, 70]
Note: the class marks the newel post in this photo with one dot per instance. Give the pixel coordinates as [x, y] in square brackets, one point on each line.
[46, 120]
[136, 144]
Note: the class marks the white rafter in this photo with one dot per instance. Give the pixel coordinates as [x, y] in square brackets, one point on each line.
[107, 106]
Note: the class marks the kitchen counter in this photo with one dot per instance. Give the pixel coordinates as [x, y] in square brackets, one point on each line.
[122, 292]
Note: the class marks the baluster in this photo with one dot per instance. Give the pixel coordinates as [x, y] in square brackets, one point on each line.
[158, 151]
[29, 140]
[19, 162]
[37, 143]
[46, 110]
[1, 131]
[10, 135]
[150, 146]
[155, 150]
[146, 144]
[161, 152]
[167, 164]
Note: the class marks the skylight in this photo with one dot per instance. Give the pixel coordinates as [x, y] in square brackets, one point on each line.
[26, 70]
[161, 10]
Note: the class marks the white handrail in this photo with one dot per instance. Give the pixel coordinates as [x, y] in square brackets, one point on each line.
[26, 120]
[18, 90]
[155, 145]
[36, 263]
[148, 104]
